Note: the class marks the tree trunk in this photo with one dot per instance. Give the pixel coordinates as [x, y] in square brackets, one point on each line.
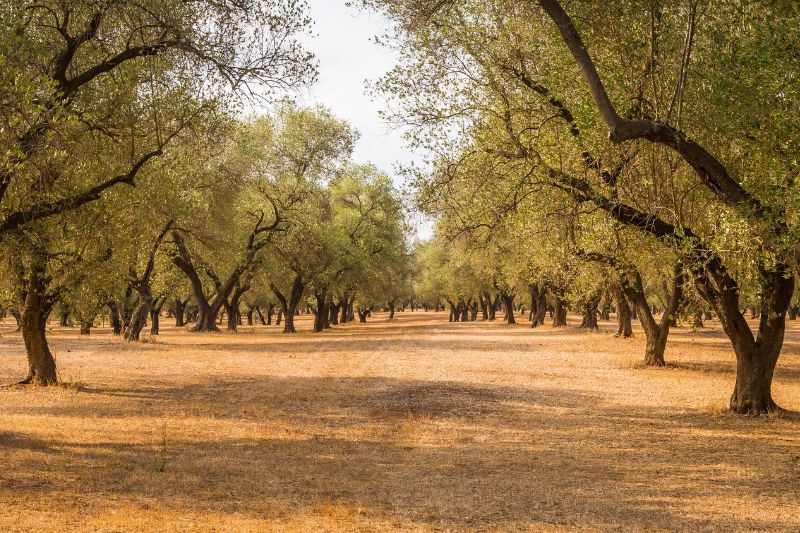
[756, 357]
[697, 320]
[391, 309]
[333, 313]
[590, 313]
[320, 317]
[17, 316]
[63, 315]
[559, 311]
[624, 327]
[35, 310]
[180, 311]
[138, 319]
[289, 305]
[508, 304]
[656, 334]
[155, 321]
[251, 310]
[362, 315]
[114, 317]
[482, 298]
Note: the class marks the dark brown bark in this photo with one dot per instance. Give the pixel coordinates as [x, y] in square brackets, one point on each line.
[141, 284]
[114, 317]
[233, 308]
[270, 311]
[289, 305]
[655, 333]
[559, 308]
[321, 313]
[624, 327]
[538, 304]
[180, 312]
[36, 309]
[155, 317]
[333, 313]
[508, 305]
[590, 312]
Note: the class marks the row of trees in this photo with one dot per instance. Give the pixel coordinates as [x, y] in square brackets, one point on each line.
[219, 213]
[631, 149]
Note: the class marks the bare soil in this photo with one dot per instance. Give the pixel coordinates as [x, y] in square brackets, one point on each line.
[413, 425]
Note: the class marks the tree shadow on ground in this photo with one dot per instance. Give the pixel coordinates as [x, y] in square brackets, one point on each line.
[440, 454]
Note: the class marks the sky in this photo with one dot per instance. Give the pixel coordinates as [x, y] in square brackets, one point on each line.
[343, 40]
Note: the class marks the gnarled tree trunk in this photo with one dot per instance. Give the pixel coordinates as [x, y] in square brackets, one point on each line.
[36, 309]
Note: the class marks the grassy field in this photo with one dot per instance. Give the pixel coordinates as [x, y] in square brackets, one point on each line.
[414, 425]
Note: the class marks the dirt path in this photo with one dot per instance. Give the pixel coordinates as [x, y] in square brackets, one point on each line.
[416, 425]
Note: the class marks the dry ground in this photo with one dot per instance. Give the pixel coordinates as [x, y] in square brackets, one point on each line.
[412, 425]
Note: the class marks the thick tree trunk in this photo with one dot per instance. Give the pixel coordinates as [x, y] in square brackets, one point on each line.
[251, 311]
[35, 310]
[320, 317]
[114, 317]
[234, 311]
[155, 321]
[491, 306]
[180, 312]
[333, 313]
[391, 309]
[590, 313]
[482, 298]
[508, 304]
[757, 356]
[605, 308]
[464, 311]
[473, 311]
[624, 327]
[138, 319]
[559, 311]
[362, 315]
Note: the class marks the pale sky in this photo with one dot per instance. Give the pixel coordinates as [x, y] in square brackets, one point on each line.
[348, 57]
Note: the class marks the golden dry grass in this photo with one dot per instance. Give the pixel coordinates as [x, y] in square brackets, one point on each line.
[413, 425]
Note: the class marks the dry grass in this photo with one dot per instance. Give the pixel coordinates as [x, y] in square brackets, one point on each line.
[416, 425]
